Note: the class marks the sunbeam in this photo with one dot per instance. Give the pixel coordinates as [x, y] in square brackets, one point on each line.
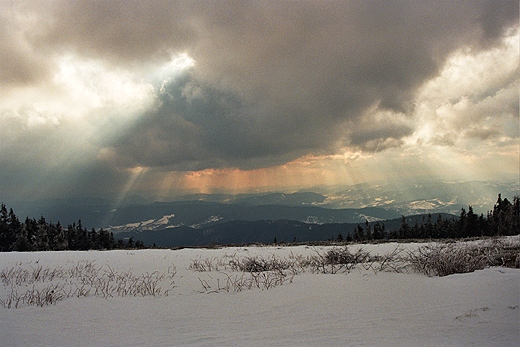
[134, 175]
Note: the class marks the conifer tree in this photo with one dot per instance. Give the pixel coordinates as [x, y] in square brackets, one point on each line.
[378, 235]
[368, 231]
[359, 233]
[404, 229]
[7, 229]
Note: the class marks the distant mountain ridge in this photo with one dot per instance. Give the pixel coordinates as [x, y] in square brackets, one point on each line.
[352, 204]
[260, 231]
[200, 214]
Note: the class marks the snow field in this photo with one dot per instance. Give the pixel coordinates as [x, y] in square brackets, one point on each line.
[361, 307]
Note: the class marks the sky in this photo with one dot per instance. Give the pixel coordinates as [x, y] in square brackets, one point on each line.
[154, 98]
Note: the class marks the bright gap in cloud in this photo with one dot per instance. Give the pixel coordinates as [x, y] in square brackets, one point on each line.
[88, 86]
[469, 91]
[181, 62]
[178, 63]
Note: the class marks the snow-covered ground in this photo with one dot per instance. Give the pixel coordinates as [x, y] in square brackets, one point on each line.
[363, 307]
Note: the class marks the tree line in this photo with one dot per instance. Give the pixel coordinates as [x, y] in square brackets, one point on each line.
[503, 220]
[40, 235]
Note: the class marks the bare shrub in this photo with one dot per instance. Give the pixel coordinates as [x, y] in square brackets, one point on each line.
[84, 278]
[47, 295]
[42, 297]
[501, 252]
[338, 260]
[198, 265]
[442, 260]
[11, 300]
[206, 265]
[393, 261]
[212, 264]
[246, 264]
[253, 272]
[18, 275]
[259, 264]
[446, 259]
[263, 280]
[300, 263]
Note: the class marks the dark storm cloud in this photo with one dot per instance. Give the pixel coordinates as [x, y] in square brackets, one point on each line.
[123, 32]
[496, 16]
[272, 80]
[197, 126]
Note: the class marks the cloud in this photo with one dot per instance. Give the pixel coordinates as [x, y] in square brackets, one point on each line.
[472, 100]
[123, 33]
[19, 65]
[192, 85]
[272, 83]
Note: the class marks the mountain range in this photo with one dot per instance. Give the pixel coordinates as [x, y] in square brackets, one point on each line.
[206, 217]
[260, 231]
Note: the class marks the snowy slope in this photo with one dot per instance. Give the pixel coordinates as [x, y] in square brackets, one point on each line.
[361, 308]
